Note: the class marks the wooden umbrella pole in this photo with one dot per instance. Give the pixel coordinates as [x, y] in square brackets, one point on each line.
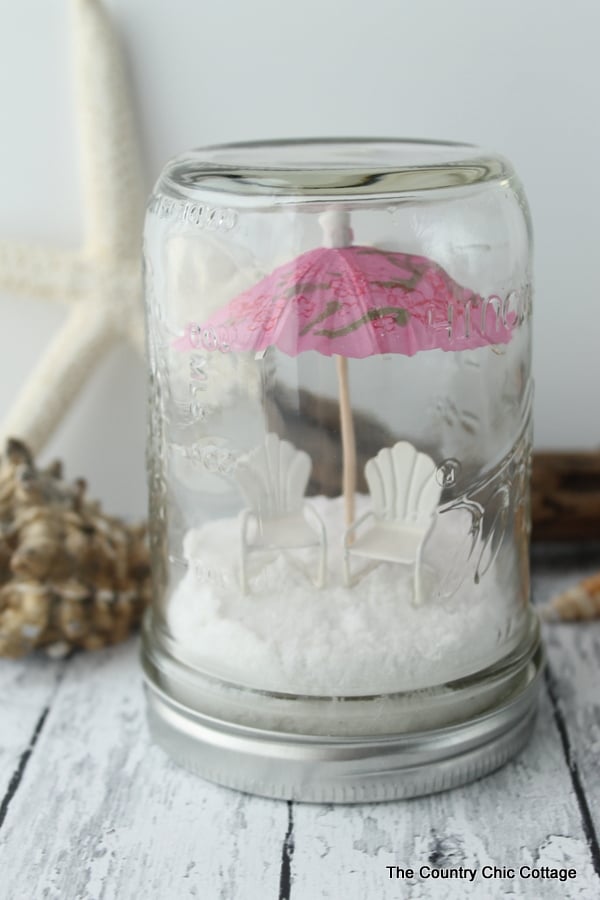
[348, 439]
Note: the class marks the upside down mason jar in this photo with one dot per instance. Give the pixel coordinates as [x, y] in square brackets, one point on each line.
[339, 456]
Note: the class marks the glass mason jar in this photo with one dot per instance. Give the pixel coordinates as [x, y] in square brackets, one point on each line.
[339, 455]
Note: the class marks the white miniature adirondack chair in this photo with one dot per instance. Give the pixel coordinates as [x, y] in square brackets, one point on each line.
[405, 494]
[273, 479]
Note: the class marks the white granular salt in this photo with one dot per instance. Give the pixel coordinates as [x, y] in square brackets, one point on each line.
[285, 635]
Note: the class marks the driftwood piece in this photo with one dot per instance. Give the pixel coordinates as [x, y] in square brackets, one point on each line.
[565, 493]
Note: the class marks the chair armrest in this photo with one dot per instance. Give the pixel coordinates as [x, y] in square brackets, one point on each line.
[309, 508]
[355, 525]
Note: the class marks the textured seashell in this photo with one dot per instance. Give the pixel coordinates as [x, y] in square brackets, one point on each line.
[70, 576]
[15, 462]
[582, 601]
[24, 613]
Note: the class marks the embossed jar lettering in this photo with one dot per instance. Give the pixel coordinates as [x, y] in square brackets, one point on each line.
[339, 458]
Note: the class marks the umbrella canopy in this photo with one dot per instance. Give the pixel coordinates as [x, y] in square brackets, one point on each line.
[353, 301]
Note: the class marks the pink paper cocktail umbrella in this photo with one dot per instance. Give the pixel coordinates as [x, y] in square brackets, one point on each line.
[352, 301]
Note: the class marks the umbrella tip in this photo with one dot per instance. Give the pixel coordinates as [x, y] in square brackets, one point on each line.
[336, 228]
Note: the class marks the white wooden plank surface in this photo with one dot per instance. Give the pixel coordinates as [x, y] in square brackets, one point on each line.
[101, 813]
[26, 688]
[573, 678]
[97, 812]
[524, 813]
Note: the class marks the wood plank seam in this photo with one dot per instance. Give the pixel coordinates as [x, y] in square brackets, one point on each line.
[17, 775]
[19, 772]
[287, 852]
[578, 789]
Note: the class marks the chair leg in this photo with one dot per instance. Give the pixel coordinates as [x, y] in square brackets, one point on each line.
[350, 580]
[321, 533]
[417, 593]
[347, 575]
[322, 569]
[418, 586]
[243, 569]
[244, 520]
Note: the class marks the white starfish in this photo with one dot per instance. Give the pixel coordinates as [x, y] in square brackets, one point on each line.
[101, 284]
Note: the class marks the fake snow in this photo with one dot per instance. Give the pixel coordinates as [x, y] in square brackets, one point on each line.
[285, 635]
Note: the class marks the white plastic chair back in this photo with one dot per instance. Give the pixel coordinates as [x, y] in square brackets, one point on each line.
[273, 477]
[402, 484]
